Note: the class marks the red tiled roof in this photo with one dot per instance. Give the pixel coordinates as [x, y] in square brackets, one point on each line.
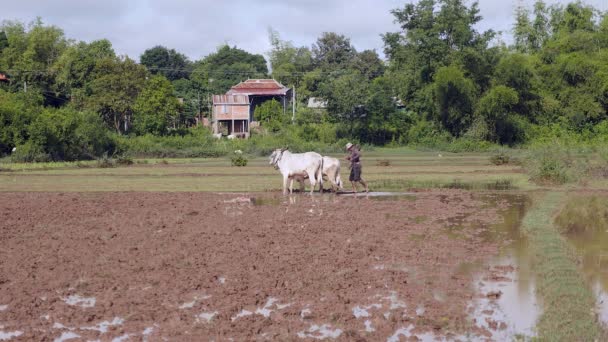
[259, 84]
[3, 77]
[259, 87]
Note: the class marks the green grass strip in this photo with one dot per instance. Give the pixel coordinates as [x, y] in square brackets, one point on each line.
[567, 301]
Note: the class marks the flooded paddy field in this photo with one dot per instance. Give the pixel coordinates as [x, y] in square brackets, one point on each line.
[431, 265]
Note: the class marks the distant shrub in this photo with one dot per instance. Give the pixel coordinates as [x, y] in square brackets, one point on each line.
[555, 164]
[500, 157]
[238, 159]
[583, 214]
[30, 152]
[124, 160]
[106, 161]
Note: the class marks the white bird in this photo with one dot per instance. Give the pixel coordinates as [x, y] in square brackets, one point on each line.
[14, 149]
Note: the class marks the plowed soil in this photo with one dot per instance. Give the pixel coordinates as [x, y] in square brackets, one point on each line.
[201, 266]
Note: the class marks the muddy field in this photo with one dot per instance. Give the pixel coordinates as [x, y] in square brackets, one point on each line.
[200, 266]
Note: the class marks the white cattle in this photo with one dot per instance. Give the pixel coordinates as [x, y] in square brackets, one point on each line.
[331, 170]
[292, 164]
[217, 135]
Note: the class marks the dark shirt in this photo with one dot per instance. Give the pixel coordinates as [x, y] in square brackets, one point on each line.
[355, 156]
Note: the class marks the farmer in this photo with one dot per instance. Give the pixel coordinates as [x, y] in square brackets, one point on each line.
[355, 166]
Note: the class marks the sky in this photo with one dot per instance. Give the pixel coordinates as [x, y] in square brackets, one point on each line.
[197, 27]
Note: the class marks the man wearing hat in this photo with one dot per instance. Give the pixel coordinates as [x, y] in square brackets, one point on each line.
[355, 166]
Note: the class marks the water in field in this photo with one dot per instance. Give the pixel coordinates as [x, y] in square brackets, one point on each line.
[592, 247]
[505, 305]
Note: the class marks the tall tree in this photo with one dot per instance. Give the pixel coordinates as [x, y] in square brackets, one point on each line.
[440, 35]
[167, 62]
[228, 66]
[74, 70]
[332, 50]
[30, 54]
[3, 41]
[114, 89]
[288, 63]
[522, 30]
[156, 107]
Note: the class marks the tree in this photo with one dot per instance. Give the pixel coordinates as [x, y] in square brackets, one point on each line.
[169, 63]
[114, 89]
[332, 51]
[434, 35]
[30, 54]
[495, 107]
[455, 97]
[346, 97]
[74, 70]
[288, 63]
[226, 67]
[156, 107]
[68, 134]
[3, 41]
[516, 72]
[522, 30]
[369, 64]
[270, 114]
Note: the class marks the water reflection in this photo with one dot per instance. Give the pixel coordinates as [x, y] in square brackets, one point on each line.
[507, 305]
[592, 246]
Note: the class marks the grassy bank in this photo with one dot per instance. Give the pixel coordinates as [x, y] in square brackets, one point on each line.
[567, 302]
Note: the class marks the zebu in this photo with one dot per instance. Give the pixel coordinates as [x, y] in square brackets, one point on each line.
[298, 164]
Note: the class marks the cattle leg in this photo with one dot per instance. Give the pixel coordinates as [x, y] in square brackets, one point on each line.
[313, 182]
[285, 181]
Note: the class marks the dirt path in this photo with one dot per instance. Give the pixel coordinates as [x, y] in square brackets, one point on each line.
[188, 266]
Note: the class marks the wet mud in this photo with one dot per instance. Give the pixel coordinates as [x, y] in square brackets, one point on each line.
[199, 266]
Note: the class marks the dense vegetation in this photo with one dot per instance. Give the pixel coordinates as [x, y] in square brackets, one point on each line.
[444, 85]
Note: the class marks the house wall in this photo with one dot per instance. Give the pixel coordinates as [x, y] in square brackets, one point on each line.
[230, 112]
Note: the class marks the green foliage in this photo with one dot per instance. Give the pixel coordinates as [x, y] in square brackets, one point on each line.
[106, 161]
[501, 157]
[29, 152]
[228, 66]
[66, 134]
[270, 115]
[124, 160]
[167, 62]
[455, 95]
[495, 109]
[551, 165]
[567, 302]
[238, 159]
[33, 48]
[156, 108]
[114, 89]
[332, 50]
[75, 68]
[583, 214]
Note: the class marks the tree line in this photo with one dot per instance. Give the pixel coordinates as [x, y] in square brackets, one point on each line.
[442, 80]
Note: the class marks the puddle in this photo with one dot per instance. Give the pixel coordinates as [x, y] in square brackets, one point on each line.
[506, 304]
[592, 246]
[320, 332]
[265, 311]
[68, 335]
[7, 335]
[206, 317]
[83, 302]
[380, 195]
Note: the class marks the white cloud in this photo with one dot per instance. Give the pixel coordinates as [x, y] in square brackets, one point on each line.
[196, 28]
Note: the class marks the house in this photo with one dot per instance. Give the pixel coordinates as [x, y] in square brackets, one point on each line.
[233, 112]
[4, 78]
